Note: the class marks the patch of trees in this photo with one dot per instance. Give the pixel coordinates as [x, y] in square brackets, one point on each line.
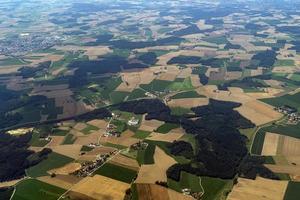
[229, 45]
[222, 148]
[193, 29]
[296, 46]
[149, 58]
[29, 72]
[213, 62]
[185, 60]
[203, 79]
[288, 29]
[266, 58]
[100, 39]
[125, 44]
[245, 83]
[15, 158]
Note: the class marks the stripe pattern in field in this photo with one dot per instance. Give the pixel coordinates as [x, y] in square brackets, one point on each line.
[258, 189]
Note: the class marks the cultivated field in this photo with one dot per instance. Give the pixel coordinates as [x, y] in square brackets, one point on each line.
[156, 171]
[258, 189]
[100, 188]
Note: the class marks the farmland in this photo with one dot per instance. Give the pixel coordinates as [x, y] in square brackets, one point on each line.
[149, 100]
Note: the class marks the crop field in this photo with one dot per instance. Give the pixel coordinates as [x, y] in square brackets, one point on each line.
[188, 94]
[258, 142]
[117, 172]
[36, 190]
[145, 157]
[157, 85]
[53, 161]
[290, 100]
[89, 189]
[186, 181]
[167, 127]
[292, 191]
[259, 189]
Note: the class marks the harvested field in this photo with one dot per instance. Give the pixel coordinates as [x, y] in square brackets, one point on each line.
[169, 73]
[258, 189]
[62, 181]
[90, 138]
[275, 144]
[10, 183]
[56, 140]
[285, 70]
[80, 126]
[100, 188]
[259, 113]
[124, 161]
[270, 144]
[195, 81]
[43, 57]
[130, 80]
[233, 75]
[99, 123]
[150, 125]
[185, 73]
[157, 192]
[156, 171]
[188, 102]
[72, 150]
[67, 169]
[167, 137]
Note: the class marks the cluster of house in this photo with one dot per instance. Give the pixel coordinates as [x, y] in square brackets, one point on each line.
[89, 167]
[133, 121]
[139, 146]
[195, 195]
[111, 130]
[292, 114]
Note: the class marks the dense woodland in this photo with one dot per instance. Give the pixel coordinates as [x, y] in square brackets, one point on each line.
[15, 158]
[222, 149]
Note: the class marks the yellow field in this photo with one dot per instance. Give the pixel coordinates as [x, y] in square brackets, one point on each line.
[258, 189]
[100, 188]
[156, 171]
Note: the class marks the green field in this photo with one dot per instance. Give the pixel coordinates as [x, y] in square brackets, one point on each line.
[117, 146]
[258, 142]
[146, 156]
[58, 132]
[215, 188]
[188, 94]
[290, 100]
[156, 86]
[284, 129]
[178, 85]
[139, 134]
[87, 130]
[53, 161]
[292, 191]
[69, 139]
[295, 77]
[36, 141]
[32, 189]
[118, 97]
[286, 62]
[136, 94]
[117, 172]
[180, 111]
[166, 127]
[186, 181]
